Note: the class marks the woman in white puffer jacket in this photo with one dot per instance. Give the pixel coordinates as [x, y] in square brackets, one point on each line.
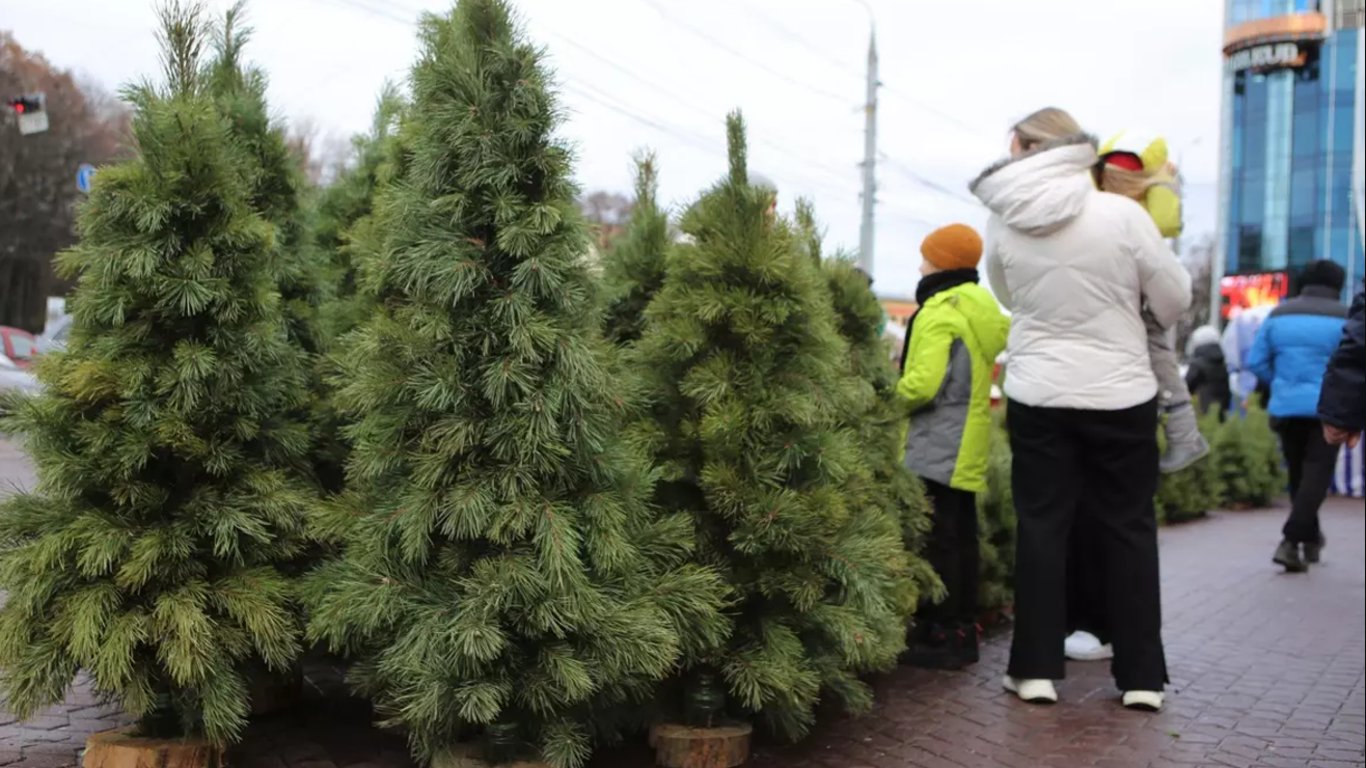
[1076, 267]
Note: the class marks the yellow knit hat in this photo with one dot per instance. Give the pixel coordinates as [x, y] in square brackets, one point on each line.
[956, 246]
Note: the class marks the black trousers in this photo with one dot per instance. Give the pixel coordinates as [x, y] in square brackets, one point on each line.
[1311, 461]
[1086, 581]
[954, 551]
[1099, 467]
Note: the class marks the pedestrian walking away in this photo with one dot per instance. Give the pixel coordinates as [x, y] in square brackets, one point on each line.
[945, 387]
[1292, 351]
[1076, 268]
[1342, 402]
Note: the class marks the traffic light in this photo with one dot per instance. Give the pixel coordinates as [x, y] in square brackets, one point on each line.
[31, 112]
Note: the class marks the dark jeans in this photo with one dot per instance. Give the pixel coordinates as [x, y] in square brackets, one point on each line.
[1086, 581]
[1311, 461]
[1099, 467]
[953, 550]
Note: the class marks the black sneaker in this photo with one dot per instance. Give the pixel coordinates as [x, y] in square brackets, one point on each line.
[1313, 550]
[934, 648]
[1288, 555]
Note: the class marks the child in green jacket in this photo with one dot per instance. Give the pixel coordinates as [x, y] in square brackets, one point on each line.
[951, 346]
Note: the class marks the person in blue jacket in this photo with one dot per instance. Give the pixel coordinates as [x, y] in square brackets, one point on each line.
[1342, 404]
[1291, 352]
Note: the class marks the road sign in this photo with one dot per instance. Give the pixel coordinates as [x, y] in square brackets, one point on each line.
[85, 176]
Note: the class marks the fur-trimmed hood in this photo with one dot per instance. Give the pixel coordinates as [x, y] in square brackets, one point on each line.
[1042, 190]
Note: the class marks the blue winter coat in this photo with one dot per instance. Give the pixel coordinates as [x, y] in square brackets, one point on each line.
[1343, 402]
[1292, 351]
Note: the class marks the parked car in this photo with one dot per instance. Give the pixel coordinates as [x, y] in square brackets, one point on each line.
[13, 377]
[18, 345]
[54, 335]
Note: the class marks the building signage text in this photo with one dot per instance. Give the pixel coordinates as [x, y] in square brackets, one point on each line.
[1269, 56]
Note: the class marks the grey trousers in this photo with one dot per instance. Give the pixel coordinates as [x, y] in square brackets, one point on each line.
[1171, 385]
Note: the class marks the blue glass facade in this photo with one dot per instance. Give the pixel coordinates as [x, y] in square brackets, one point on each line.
[1289, 141]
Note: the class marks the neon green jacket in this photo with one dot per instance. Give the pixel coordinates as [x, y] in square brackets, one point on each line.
[946, 386]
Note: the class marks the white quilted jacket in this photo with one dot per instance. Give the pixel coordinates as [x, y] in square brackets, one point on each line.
[1076, 267]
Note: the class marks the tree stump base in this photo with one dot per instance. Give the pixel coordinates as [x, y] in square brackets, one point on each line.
[468, 756]
[122, 748]
[272, 693]
[679, 746]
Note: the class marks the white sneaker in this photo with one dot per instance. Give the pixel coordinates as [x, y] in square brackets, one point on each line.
[1147, 701]
[1032, 691]
[1084, 646]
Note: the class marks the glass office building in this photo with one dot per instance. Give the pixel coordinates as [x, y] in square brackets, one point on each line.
[1291, 140]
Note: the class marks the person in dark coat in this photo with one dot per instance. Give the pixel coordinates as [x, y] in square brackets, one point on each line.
[1207, 374]
[1342, 401]
[1292, 351]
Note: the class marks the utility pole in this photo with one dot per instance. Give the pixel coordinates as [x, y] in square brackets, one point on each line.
[865, 236]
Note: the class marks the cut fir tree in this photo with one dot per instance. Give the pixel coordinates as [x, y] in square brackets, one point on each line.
[634, 270]
[503, 580]
[751, 403]
[882, 425]
[147, 554]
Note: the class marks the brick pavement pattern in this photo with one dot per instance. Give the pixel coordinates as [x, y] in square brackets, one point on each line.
[1267, 672]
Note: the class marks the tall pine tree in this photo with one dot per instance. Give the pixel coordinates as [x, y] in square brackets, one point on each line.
[341, 222]
[634, 270]
[750, 401]
[502, 577]
[147, 555]
[275, 178]
[881, 426]
[277, 189]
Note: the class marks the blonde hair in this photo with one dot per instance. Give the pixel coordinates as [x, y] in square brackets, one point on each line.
[1048, 124]
[1135, 184]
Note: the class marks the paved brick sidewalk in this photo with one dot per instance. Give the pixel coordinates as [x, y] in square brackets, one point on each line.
[1267, 671]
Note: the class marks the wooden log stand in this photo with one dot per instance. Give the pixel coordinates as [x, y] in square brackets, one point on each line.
[122, 749]
[467, 756]
[679, 746]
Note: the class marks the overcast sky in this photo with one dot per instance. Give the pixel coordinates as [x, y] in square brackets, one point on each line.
[662, 74]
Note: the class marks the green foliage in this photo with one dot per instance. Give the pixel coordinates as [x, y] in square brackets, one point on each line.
[343, 231]
[996, 524]
[147, 555]
[501, 566]
[1194, 491]
[881, 428]
[1247, 460]
[750, 400]
[276, 189]
[275, 179]
[633, 271]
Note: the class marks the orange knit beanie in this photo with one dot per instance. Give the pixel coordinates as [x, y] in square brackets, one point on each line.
[956, 246]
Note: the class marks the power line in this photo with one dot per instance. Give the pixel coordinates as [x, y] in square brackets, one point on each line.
[801, 41]
[930, 184]
[377, 11]
[702, 34]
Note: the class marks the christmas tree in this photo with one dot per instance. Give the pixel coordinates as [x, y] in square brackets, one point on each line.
[147, 554]
[341, 230]
[881, 426]
[503, 579]
[634, 270]
[750, 402]
[275, 177]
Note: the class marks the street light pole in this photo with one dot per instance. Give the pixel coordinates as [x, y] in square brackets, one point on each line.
[865, 255]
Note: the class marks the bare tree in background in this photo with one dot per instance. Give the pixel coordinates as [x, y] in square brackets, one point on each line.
[38, 192]
[1199, 262]
[321, 156]
[608, 213]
